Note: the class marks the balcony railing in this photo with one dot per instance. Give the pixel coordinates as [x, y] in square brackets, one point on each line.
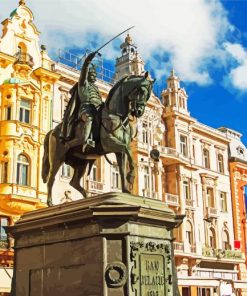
[149, 193]
[219, 253]
[212, 212]
[95, 186]
[24, 58]
[172, 199]
[178, 246]
[189, 203]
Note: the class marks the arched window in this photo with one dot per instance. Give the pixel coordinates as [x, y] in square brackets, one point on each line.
[221, 163]
[189, 232]
[225, 240]
[212, 238]
[23, 167]
[206, 160]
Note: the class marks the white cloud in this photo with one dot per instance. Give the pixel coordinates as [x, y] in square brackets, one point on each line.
[189, 31]
[237, 75]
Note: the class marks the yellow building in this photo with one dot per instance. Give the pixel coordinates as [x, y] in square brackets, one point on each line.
[26, 83]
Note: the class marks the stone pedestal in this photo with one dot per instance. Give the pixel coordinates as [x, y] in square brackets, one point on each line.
[113, 244]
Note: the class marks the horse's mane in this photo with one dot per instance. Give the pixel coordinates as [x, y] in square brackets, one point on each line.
[116, 86]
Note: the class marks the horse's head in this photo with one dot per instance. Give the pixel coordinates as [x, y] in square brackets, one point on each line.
[140, 94]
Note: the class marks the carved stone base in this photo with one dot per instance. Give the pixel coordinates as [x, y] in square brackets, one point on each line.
[113, 244]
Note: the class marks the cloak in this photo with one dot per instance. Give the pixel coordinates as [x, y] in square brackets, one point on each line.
[70, 118]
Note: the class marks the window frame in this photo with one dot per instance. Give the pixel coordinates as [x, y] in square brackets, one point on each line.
[19, 170]
[206, 158]
[23, 110]
[220, 161]
[223, 200]
[183, 145]
[4, 238]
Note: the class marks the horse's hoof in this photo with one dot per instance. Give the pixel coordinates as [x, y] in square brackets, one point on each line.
[84, 193]
[49, 203]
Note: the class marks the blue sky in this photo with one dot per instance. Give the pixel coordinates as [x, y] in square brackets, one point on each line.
[205, 41]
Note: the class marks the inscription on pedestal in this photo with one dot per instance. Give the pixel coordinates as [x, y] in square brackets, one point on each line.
[151, 269]
[152, 275]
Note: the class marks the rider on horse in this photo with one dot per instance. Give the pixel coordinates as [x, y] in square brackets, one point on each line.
[82, 108]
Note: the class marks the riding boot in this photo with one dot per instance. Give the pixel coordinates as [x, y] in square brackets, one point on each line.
[88, 141]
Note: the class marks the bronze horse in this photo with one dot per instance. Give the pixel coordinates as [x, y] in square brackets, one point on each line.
[127, 97]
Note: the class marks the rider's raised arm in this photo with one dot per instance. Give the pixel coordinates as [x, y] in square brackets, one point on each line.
[85, 68]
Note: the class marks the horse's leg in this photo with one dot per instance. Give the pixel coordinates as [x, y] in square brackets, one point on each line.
[56, 158]
[131, 174]
[121, 164]
[51, 178]
[116, 146]
[79, 171]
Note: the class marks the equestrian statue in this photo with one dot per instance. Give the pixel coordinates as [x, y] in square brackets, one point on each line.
[91, 128]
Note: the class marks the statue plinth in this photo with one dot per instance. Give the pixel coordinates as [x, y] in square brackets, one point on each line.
[113, 244]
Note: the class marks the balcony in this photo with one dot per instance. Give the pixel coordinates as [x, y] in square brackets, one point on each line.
[170, 155]
[211, 212]
[189, 203]
[221, 254]
[24, 58]
[149, 193]
[178, 247]
[172, 199]
[95, 186]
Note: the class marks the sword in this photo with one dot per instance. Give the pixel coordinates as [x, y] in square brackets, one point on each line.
[97, 51]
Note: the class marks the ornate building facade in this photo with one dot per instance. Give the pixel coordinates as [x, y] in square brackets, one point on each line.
[192, 175]
[26, 85]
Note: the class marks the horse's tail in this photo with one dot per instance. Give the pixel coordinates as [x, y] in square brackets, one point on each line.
[45, 161]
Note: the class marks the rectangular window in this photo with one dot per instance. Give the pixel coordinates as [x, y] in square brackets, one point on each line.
[25, 108]
[223, 201]
[94, 173]
[145, 133]
[66, 171]
[186, 190]
[115, 177]
[210, 197]
[3, 234]
[206, 159]
[4, 172]
[146, 178]
[8, 113]
[183, 145]
[221, 163]
[22, 174]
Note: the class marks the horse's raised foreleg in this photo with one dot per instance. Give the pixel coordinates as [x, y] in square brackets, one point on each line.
[79, 171]
[121, 164]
